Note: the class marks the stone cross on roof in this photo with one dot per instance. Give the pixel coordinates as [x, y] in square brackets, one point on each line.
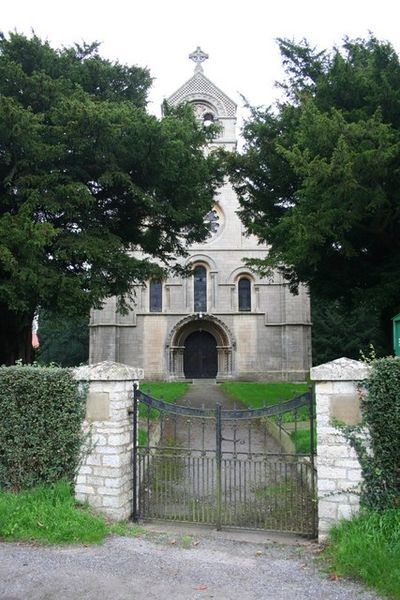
[198, 56]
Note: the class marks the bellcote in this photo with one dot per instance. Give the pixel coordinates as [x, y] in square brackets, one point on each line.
[210, 103]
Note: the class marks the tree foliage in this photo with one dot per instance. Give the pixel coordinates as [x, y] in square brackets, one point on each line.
[319, 179]
[342, 330]
[86, 176]
[62, 340]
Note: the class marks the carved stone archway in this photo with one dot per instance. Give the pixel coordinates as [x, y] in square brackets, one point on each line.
[201, 322]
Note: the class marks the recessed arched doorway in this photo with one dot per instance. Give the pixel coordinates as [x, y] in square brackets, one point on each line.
[200, 356]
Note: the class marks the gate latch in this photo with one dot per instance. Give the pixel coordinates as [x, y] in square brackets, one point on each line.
[234, 441]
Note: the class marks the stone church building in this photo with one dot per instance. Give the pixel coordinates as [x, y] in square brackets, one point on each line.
[224, 321]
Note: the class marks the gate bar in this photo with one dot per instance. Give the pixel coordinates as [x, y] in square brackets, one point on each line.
[312, 460]
[218, 456]
[135, 512]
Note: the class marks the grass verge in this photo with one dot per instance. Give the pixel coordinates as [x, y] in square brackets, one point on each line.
[367, 548]
[50, 515]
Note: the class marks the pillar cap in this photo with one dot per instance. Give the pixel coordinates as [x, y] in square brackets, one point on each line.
[341, 369]
[108, 371]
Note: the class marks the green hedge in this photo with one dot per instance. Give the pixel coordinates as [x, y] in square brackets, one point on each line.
[42, 410]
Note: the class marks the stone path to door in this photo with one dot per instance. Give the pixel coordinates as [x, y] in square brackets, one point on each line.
[206, 393]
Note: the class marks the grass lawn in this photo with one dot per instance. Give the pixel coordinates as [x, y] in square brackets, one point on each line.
[367, 548]
[168, 391]
[302, 441]
[50, 515]
[255, 395]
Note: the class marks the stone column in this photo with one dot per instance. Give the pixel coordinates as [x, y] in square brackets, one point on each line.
[105, 477]
[176, 362]
[338, 469]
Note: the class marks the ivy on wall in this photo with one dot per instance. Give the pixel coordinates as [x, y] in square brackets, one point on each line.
[380, 456]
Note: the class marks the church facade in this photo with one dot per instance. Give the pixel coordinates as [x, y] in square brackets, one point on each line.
[223, 321]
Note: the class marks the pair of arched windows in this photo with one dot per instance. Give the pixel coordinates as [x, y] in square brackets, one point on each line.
[200, 292]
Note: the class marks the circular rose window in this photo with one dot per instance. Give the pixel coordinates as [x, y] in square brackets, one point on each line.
[215, 222]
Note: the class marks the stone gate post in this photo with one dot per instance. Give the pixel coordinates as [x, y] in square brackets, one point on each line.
[105, 477]
[338, 469]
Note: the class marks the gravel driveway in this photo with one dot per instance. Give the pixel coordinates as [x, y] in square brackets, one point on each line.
[181, 565]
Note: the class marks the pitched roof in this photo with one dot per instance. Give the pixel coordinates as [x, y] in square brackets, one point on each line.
[199, 87]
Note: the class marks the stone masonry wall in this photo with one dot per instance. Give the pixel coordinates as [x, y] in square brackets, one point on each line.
[338, 468]
[105, 477]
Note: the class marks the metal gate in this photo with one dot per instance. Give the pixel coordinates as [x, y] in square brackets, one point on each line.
[232, 468]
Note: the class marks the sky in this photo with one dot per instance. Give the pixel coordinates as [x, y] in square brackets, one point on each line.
[239, 36]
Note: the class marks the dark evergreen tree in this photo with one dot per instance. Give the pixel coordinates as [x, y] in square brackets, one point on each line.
[62, 340]
[339, 330]
[86, 175]
[319, 179]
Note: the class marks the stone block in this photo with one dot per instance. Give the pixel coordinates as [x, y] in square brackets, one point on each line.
[117, 514]
[112, 482]
[97, 406]
[85, 489]
[95, 480]
[119, 440]
[328, 510]
[112, 460]
[346, 408]
[99, 439]
[335, 451]
[345, 511]
[85, 470]
[326, 485]
[111, 472]
[109, 491]
[93, 460]
[326, 472]
[354, 475]
[349, 463]
[113, 501]
[324, 388]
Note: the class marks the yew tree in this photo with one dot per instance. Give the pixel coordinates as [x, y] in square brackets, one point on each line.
[319, 178]
[87, 175]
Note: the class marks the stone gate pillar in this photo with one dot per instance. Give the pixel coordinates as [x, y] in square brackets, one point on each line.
[105, 477]
[338, 469]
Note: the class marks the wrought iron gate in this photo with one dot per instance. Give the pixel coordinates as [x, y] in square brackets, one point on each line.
[232, 468]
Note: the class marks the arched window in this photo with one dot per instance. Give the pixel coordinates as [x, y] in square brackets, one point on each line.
[200, 289]
[155, 296]
[244, 290]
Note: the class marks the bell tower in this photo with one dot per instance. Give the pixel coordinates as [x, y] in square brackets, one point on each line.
[210, 104]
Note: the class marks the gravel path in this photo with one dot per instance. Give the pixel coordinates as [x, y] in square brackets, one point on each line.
[203, 565]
